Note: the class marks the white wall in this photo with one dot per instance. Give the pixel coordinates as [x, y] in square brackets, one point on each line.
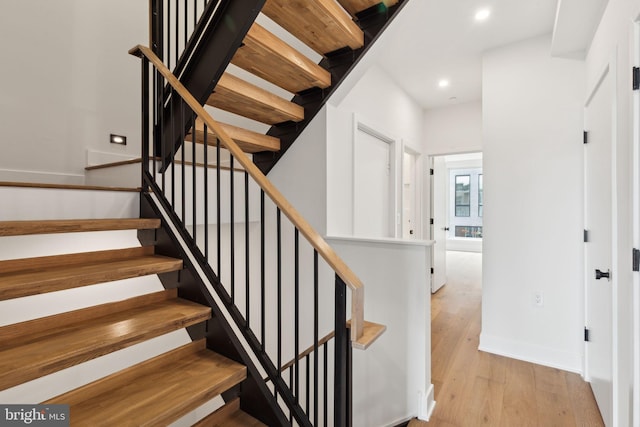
[532, 125]
[453, 129]
[67, 82]
[392, 378]
[614, 45]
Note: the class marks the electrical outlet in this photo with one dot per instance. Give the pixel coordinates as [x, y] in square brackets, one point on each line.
[537, 299]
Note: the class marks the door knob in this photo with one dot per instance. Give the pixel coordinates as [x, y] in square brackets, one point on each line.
[601, 274]
[445, 228]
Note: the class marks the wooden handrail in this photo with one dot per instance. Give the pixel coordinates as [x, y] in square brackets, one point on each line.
[318, 243]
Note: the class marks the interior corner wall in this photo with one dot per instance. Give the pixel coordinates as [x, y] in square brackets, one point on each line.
[453, 129]
[533, 159]
[67, 82]
[379, 102]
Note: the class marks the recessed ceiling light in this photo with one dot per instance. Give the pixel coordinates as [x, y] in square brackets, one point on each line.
[482, 14]
[443, 83]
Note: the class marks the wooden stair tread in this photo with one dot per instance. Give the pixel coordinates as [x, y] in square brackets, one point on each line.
[21, 228]
[229, 415]
[321, 24]
[270, 58]
[31, 276]
[248, 141]
[154, 392]
[245, 99]
[356, 6]
[36, 353]
[372, 331]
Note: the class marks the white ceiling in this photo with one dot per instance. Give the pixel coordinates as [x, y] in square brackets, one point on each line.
[440, 39]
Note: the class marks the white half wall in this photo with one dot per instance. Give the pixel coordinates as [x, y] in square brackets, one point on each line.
[392, 378]
[532, 130]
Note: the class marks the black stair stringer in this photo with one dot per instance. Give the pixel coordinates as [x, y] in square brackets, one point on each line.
[373, 22]
[203, 63]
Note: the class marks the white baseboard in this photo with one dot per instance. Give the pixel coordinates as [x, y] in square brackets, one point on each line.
[40, 177]
[531, 353]
[427, 404]
[95, 158]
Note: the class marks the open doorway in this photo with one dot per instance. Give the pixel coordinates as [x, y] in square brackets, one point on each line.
[457, 208]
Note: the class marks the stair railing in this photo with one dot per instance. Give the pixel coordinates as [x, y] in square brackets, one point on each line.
[234, 219]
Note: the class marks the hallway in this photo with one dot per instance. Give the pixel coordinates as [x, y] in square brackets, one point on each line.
[476, 388]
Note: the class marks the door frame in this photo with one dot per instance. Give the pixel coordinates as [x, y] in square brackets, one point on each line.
[418, 191]
[362, 125]
[609, 69]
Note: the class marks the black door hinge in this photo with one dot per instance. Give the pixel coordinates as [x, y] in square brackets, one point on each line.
[431, 221]
[586, 236]
[431, 171]
[431, 270]
[585, 137]
[586, 334]
[636, 259]
[636, 78]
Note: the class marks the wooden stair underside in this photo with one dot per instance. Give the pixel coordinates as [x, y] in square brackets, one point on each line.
[248, 141]
[356, 6]
[245, 99]
[270, 58]
[31, 276]
[229, 415]
[21, 228]
[155, 392]
[320, 24]
[40, 347]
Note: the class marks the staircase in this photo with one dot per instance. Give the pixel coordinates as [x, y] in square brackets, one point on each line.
[157, 391]
[276, 349]
[287, 87]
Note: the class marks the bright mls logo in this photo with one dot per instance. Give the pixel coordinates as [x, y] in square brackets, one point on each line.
[34, 415]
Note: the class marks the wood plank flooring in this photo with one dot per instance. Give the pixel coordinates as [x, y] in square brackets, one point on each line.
[474, 388]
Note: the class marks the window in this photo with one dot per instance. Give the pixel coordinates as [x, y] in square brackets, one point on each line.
[480, 195]
[469, 231]
[463, 195]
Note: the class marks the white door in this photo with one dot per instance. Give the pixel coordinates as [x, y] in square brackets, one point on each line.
[439, 226]
[409, 196]
[372, 187]
[598, 249]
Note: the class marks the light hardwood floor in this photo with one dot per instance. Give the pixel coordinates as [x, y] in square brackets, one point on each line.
[474, 388]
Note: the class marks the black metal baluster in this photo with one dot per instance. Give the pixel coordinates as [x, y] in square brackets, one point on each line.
[342, 372]
[157, 129]
[326, 383]
[246, 249]
[168, 63]
[145, 123]
[279, 284]
[290, 383]
[186, 20]
[183, 180]
[308, 386]
[177, 40]
[205, 130]
[218, 211]
[194, 189]
[232, 229]
[296, 302]
[315, 338]
[262, 271]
